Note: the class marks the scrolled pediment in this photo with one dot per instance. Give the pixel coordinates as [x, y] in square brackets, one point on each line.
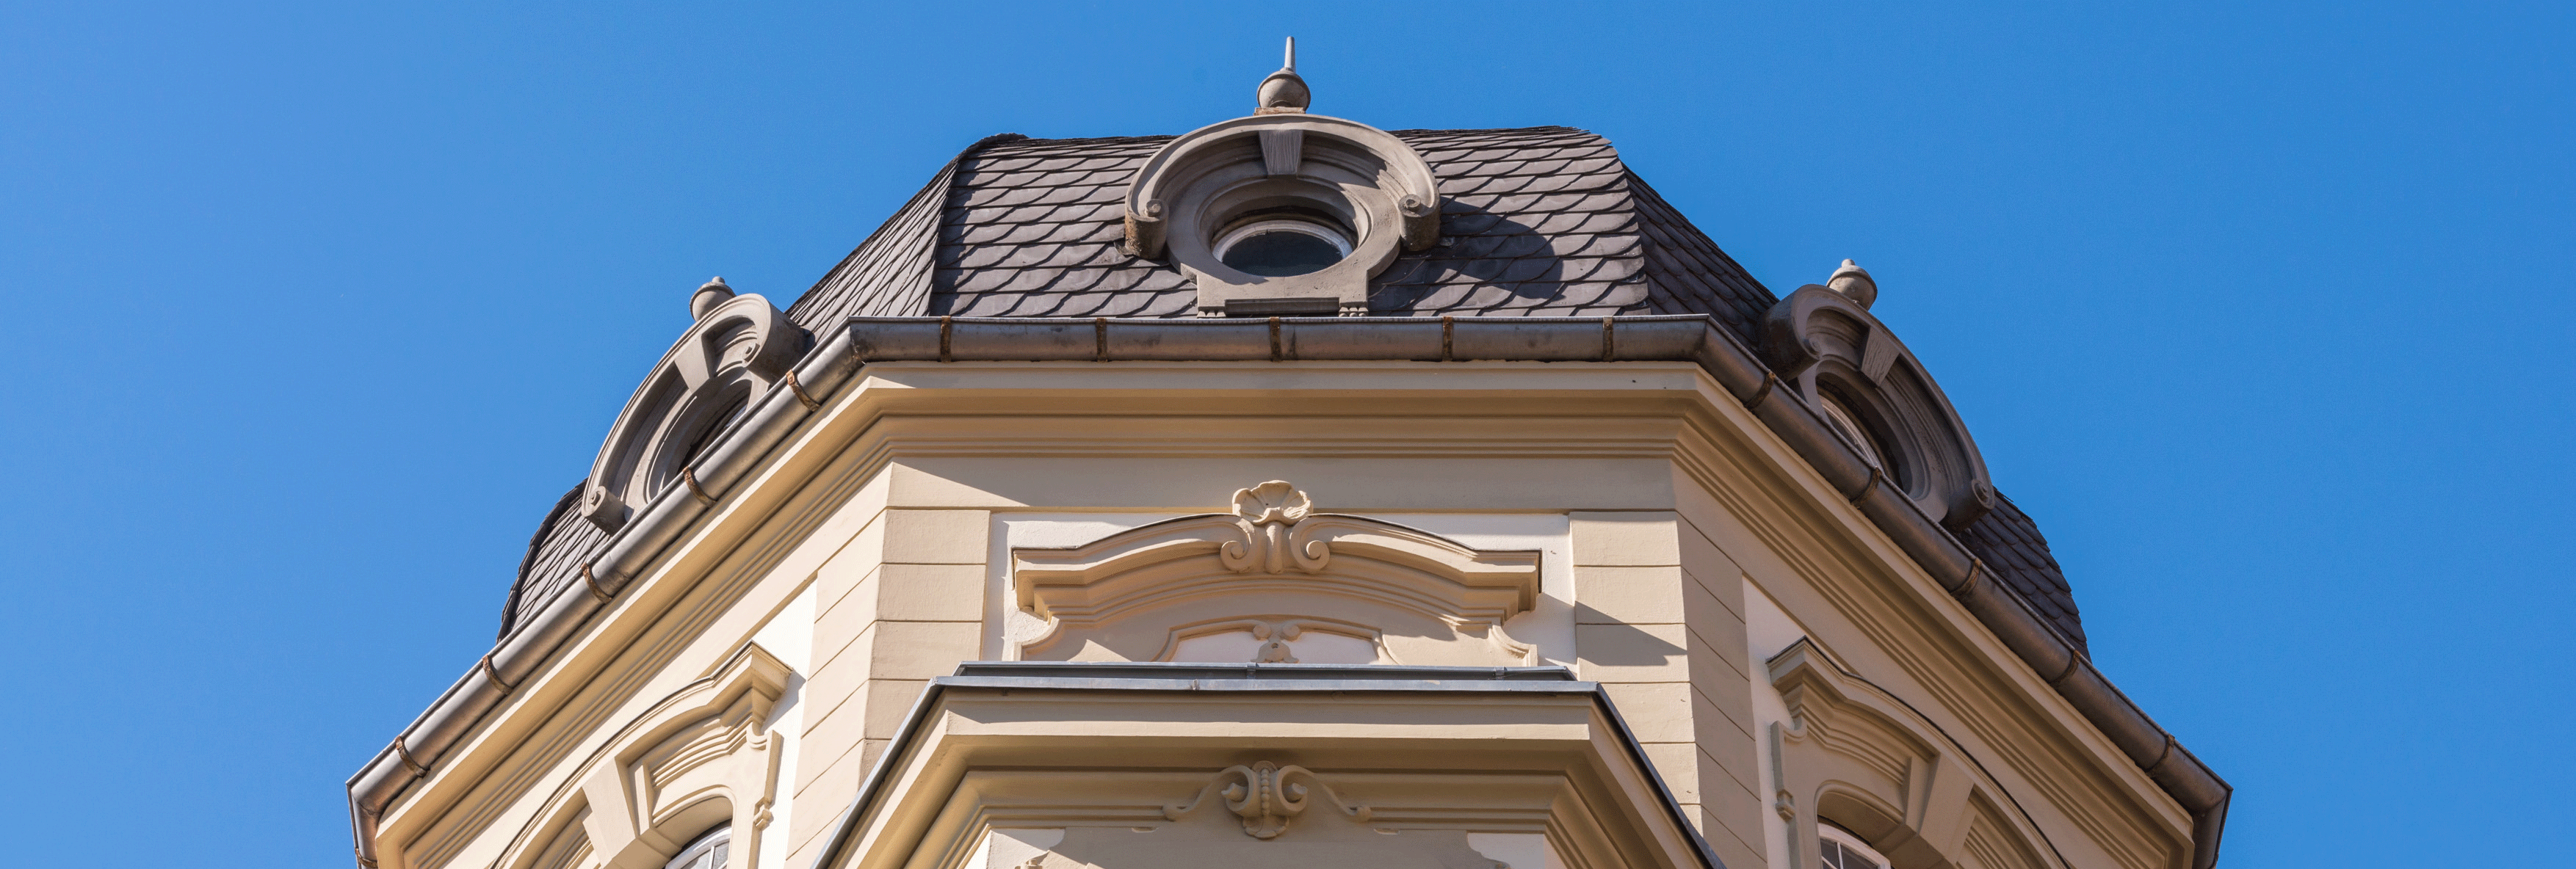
[1275, 565]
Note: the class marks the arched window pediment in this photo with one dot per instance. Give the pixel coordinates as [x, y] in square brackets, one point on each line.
[1286, 577]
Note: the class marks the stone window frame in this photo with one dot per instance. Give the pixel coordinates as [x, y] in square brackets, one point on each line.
[1197, 185]
[1824, 345]
[737, 349]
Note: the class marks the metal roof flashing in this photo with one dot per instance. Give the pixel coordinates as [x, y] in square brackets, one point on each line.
[1250, 678]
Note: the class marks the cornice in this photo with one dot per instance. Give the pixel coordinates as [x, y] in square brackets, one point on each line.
[743, 452]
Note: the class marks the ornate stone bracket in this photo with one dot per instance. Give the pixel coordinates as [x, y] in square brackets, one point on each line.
[1266, 795]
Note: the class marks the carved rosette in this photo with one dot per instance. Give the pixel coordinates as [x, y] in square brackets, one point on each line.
[1265, 796]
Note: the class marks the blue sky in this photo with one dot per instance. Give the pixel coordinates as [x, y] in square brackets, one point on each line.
[2262, 310]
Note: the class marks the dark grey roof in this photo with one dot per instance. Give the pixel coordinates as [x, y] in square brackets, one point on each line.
[2009, 543]
[1541, 221]
[1544, 221]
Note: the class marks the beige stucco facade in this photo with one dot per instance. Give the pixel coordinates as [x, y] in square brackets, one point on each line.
[1770, 652]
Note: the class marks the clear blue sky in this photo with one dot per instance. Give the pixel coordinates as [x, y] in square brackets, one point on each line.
[2263, 312]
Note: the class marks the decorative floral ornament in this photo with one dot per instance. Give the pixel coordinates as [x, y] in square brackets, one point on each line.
[1267, 513]
[1274, 501]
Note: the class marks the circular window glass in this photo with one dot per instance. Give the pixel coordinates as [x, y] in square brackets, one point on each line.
[1281, 248]
[1842, 418]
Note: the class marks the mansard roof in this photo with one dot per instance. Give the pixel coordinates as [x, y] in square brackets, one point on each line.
[1539, 221]
[1542, 221]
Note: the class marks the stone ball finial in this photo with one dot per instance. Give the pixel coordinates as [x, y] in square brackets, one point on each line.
[1854, 283]
[709, 295]
[1283, 91]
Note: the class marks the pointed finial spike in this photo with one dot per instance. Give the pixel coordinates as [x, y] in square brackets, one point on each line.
[1283, 91]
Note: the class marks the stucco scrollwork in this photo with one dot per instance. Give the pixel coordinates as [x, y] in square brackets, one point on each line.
[1274, 569]
[1266, 795]
[1268, 514]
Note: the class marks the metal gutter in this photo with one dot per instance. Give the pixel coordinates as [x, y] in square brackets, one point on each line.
[1691, 338]
[1235, 678]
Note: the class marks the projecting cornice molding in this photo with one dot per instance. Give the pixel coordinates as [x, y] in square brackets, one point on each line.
[420, 752]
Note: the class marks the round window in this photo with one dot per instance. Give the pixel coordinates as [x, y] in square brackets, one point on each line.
[1842, 418]
[1282, 247]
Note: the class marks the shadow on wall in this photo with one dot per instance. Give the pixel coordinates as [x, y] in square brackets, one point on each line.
[1608, 642]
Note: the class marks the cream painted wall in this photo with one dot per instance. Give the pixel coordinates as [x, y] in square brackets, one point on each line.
[1767, 630]
[789, 635]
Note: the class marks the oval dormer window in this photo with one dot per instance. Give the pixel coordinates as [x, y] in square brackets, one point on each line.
[1279, 245]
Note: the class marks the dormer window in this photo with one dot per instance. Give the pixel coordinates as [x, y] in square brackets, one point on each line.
[1283, 212]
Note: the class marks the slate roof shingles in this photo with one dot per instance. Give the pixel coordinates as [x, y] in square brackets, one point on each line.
[1539, 221]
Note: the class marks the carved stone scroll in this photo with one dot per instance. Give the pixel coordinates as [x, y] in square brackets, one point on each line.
[1273, 559]
[1265, 795]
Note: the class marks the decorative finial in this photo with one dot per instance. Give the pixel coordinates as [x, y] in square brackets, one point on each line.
[1283, 91]
[1853, 283]
[709, 295]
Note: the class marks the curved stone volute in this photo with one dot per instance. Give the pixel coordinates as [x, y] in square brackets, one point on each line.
[1826, 345]
[737, 349]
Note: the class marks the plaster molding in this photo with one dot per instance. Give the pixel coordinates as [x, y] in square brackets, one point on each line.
[1266, 796]
[702, 756]
[1274, 560]
[1871, 764]
[1069, 771]
[1275, 635]
[1006, 413]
